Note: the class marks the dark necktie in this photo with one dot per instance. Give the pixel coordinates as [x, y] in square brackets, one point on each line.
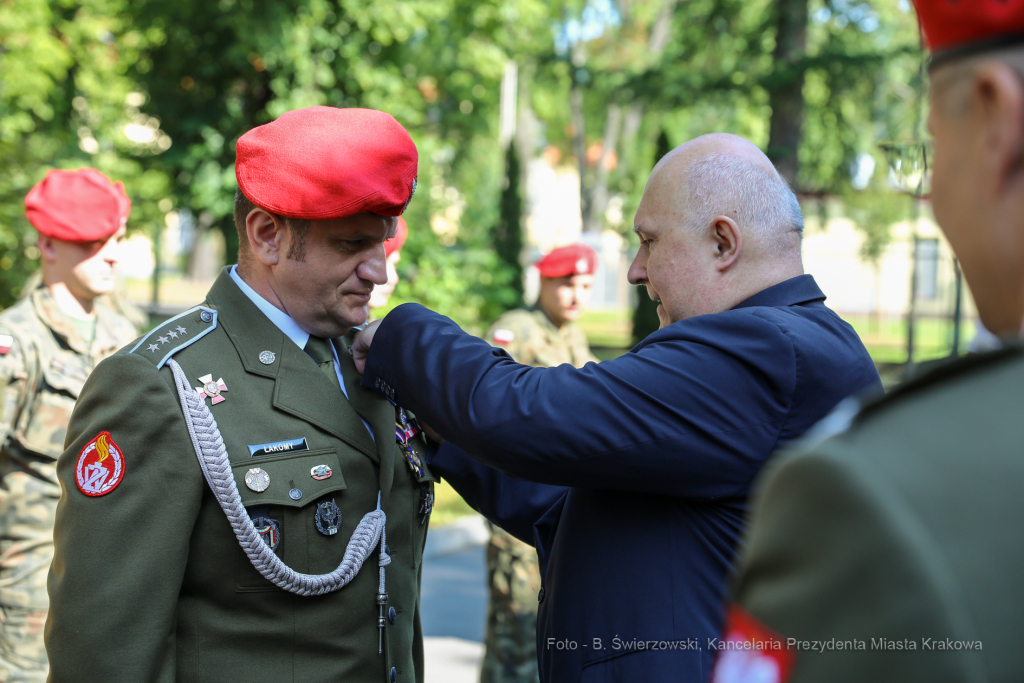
[319, 349]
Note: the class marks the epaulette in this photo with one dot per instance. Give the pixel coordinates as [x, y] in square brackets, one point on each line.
[856, 409]
[171, 336]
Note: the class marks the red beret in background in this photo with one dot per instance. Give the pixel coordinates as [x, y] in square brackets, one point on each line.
[77, 206]
[398, 241]
[958, 27]
[576, 259]
[322, 162]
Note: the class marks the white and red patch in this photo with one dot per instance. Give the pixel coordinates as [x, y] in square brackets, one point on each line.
[100, 466]
[6, 342]
[504, 336]
[750, 652]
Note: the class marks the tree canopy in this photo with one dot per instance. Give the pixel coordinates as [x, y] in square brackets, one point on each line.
[156, 93]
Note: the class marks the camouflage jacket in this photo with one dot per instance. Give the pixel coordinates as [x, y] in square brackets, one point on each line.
[532, 339]
[43, 364]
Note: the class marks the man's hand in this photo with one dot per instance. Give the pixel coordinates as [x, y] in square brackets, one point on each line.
[361, 345]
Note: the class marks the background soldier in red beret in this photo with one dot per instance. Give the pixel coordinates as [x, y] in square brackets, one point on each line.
[544, 335]
[49, 343]
[236, 507]
[890, 537]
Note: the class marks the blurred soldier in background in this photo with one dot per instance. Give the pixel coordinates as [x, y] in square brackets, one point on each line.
[544, 335]
[893, 524]
[393, 251]
[49, 343]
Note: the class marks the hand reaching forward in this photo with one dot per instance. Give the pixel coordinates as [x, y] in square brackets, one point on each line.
[361, 345]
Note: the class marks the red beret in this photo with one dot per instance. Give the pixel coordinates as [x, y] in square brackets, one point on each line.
[959, 27]
[77, 206]
[398, 241]
[322, 162]
[576, 259]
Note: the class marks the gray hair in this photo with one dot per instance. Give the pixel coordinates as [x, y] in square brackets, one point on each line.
[757, 198]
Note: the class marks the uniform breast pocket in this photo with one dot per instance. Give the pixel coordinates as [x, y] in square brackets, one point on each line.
[291, 499]
[46, 425]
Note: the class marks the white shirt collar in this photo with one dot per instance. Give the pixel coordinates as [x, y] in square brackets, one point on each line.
[281, 320]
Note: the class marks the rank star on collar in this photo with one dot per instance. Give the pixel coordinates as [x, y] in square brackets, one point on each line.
[211, 389]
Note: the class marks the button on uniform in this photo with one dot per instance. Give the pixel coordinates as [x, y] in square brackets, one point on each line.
[392, 614]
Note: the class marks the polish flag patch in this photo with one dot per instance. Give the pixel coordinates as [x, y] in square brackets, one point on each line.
[6, 342]
[750, 652]
[504, 336]
[100, 466]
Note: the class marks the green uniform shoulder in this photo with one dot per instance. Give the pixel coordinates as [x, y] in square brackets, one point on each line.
[514, 326]
[19, 319]
[173, 335]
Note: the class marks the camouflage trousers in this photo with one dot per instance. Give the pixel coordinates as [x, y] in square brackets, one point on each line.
[28, 503]
[511, 641]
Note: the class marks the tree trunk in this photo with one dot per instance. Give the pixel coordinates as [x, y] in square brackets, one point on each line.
[786, 94]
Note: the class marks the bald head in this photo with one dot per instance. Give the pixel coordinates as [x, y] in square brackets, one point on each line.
[726, 175]
[717, 224]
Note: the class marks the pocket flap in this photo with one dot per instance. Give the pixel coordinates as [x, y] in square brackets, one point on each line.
[288, 473]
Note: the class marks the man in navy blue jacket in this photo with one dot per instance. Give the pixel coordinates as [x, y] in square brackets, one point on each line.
[631, 476]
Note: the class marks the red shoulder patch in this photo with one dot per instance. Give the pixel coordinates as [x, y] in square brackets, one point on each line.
[750, 652]
[100, 466]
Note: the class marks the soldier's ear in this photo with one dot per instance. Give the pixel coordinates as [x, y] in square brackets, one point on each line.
[46, 250]
[265, 232]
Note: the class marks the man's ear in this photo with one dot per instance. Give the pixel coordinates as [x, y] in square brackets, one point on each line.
[267, 236]
[46, 250]
[728, 242]
[998, 93]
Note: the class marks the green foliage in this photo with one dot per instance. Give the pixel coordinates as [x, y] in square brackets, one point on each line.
[508, 233]
[156, 93]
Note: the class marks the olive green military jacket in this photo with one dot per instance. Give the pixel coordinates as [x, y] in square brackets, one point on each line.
[894, 545]
[532, 339]
[148, 581]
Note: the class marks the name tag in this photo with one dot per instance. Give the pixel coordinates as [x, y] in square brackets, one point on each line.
[275, 447]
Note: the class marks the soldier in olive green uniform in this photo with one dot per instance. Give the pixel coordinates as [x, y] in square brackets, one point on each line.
[46, 353]
[886, 546]
[545, 335]
[236, 507]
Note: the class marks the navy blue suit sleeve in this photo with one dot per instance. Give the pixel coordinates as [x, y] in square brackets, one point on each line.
[512, 504]
[694, 411]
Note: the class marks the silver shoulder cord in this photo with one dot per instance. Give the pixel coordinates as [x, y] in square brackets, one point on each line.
[213, 459]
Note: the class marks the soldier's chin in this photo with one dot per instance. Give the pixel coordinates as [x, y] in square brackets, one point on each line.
[99, 287]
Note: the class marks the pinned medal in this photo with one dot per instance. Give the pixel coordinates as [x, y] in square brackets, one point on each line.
[321, 472]
[257, 479]
[267, 357]
[328, 517]
[211, 389]
[426, 500]
[405, 431]
[269, 530]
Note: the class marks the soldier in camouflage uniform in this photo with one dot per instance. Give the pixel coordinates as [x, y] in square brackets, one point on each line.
[49, 343]
[544, 335]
